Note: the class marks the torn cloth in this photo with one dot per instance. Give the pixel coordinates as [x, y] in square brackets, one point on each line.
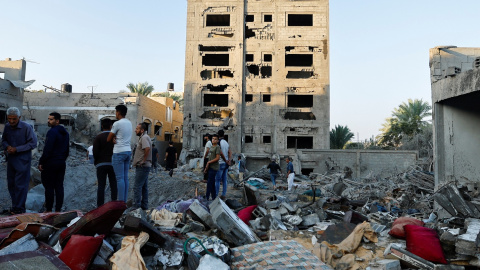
[341, 256]
[165, 218]
[129, 257]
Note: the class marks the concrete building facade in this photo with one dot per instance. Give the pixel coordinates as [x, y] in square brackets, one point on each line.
[455, 81]
[82, 112]
[12, 83]
[260, 71]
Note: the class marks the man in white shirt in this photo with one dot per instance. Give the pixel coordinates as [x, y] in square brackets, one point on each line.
[121, 134]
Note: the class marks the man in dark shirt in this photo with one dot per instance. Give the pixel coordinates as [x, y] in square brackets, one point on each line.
[18, 140]
[274, 168]
[52, 163]
[170, 157]
[102, 156]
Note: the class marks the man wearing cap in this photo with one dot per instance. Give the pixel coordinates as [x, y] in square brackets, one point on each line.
[18, 140]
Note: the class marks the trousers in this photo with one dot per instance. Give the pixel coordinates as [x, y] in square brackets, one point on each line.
[52, 179]
[102, 173]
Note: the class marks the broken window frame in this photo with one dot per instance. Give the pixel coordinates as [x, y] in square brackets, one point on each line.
[300, 104]
[216, 60]
[290, 138]
[224, 98]
[248, 138]
[215, 23]
[291, 60]
[293, 20]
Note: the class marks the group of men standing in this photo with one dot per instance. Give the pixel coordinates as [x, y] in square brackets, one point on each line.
[18, 141]
[111, 153]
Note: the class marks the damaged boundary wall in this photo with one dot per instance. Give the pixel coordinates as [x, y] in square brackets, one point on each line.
[360, 163]
[260, 71]
[455, 80]
[81, 113]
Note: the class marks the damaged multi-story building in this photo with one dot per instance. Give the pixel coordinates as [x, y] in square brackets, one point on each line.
[455, 81]
[260, 71]
[12, 83]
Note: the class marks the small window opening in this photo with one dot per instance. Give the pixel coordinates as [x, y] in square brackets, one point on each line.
[218, 20]
[249, 18]
[267, 139]
[248, 97]
[298, 60]
[300, 20]
[158, 129]
[266, 98]
[249, 57]
[218, 100]
[267, 57]
[168, 137]
[267, 18]
[248, 139]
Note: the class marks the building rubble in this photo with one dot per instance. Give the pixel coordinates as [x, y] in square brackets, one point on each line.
[330, 221]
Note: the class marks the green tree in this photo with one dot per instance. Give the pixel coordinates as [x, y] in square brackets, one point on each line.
[408, 119]
[141, 88]
[339, 136]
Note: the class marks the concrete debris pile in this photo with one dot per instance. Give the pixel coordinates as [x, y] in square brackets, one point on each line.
[328, 222]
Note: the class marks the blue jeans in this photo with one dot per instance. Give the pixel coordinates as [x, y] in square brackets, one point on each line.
[140, 188]
[121, 163]
[273, 177]
[211, 184]
[221, 175]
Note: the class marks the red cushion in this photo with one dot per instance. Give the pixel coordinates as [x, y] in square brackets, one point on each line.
[397, 227]
[246, 214]
[80, 251]
[98, 221]
[424, 243]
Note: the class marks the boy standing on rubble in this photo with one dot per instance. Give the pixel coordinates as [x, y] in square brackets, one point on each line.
[142, 161]
[212, 167]
[120, 135]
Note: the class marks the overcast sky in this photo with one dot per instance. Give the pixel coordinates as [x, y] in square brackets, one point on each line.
[378, 48]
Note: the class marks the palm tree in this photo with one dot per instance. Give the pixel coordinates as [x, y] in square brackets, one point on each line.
[339, 136]
[141, 88]
[407, 120]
